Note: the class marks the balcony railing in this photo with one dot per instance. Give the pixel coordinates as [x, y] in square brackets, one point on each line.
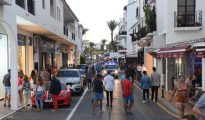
[140, 34]
[21, 3]
[188, 19]
[31, 6]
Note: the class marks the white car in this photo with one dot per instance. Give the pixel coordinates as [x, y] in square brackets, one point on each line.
[71, 78]
[113, 68]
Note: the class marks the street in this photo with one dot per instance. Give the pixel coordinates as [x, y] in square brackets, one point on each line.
[141, 111]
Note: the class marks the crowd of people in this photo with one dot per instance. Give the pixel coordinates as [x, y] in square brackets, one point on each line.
[36, 83]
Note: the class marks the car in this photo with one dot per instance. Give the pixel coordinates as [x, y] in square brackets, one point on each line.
[64, 97]
[82, 73]
[83, 67]
[71, 78]
[113, 68]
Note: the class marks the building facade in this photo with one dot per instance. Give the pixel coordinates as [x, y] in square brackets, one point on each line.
[35, 34]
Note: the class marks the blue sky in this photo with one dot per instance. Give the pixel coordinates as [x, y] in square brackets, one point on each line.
[93, 14]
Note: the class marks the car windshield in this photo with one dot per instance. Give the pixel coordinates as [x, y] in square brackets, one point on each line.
[67, 74]
[82, 72]
[110, 67]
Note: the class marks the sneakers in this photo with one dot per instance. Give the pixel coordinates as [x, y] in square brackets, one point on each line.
[54, 110]
[9, 105]
[143, 101]
[4, 104]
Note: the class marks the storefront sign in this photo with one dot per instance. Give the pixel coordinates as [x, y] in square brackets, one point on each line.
[200, 54]
[21, 40]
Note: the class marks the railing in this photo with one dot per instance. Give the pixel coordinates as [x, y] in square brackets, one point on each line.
[31, 6]
[21, 3]
[188, 19]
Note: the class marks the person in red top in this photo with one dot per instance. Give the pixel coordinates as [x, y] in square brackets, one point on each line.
[127, 91]
[20, 83]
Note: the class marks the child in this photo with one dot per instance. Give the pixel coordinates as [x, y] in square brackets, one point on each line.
[26, 91]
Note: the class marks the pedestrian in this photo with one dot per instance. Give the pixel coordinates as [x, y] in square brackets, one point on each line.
[45, 75]
[89, 77]
[98, 92]
[155, 83]
[55, 90]
[39, 93]
[26, 88]
[32, 79]
[145, 85]
[109, 83]
[132, 72]
[199, 108]
[127, 93]
[181, 91]
[20, 83]
[7, 87]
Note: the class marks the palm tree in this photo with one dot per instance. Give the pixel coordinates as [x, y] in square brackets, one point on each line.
[112, 24]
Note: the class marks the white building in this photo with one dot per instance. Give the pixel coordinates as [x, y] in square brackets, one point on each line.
[36, 33]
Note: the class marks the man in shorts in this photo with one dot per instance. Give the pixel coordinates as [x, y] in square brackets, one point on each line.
[127, 91]
[98, 91]
[7, 86]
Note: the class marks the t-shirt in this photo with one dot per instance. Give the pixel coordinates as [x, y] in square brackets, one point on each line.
[201, 104]
[126, 88]
[109, 83]
[98, 86]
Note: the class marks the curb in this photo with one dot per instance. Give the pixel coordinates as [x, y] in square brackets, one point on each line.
[165, 105]
[11, 113]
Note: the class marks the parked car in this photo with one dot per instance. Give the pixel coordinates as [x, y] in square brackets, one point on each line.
[63, 99]
[82, 73]
[83, 67]
[72, 79]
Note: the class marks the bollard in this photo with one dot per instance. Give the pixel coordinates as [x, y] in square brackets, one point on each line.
[162, 91]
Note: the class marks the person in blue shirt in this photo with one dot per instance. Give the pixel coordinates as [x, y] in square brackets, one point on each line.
[145, 85]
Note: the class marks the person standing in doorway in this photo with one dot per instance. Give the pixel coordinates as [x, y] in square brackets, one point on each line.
[145, 85]
[7, 86]
[127, 93]
[55, 90]
[155, 83]
[98, 92]
[109, 83]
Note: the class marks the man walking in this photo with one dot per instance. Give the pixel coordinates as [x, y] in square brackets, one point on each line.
[89, 77]
[98, 91]
[109, 83]
[127, 93]
[7, 86]
[145, 85]
[155, 83]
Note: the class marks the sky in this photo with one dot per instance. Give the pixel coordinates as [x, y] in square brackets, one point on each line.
[94, 14]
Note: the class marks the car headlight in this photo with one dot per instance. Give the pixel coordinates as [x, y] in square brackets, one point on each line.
[105, 72]
[116, 71]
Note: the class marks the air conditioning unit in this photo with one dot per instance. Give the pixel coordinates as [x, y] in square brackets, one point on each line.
[5, 2]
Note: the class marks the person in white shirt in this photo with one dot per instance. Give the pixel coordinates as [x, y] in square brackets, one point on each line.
[109, 83]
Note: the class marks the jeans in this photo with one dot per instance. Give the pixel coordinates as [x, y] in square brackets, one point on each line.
[146, 91]
[154, 91]
[55, 101]
[109, 95]
[39, 94]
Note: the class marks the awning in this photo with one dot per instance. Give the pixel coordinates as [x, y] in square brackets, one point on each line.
[173, 52]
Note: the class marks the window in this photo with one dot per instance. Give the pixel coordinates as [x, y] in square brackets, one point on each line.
[43, 4]
[31, 6]
[137, 12]
[59, 15]
[21, 3]
[186, 12]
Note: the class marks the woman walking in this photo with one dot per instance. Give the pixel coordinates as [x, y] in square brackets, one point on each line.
[181, 91]
[26, 92]
[39, 93]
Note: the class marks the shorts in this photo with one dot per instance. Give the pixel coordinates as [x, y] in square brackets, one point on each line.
[98, 96]
[129, 98]
[7, 90]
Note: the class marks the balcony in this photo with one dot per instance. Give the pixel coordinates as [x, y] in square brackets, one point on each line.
[123, 33]
[140, 34]
[5, 2]
[189, 20]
